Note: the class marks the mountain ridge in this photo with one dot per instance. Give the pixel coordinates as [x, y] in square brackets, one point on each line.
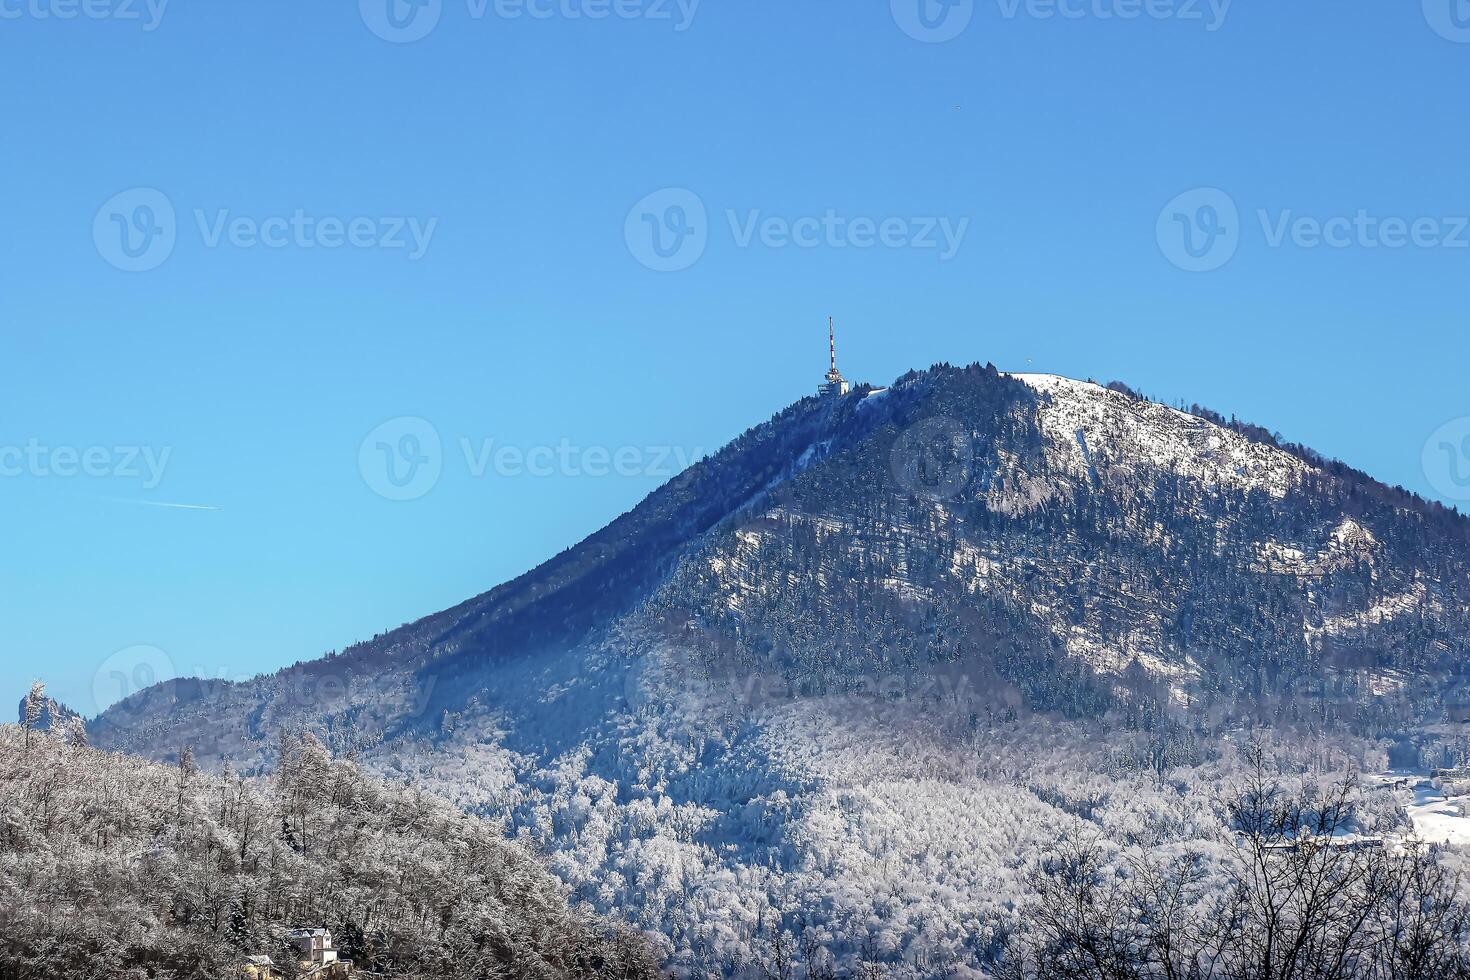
[856, 669]
[618, 570]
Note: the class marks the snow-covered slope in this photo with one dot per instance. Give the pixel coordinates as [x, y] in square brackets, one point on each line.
[731, 705]
[1096, 432]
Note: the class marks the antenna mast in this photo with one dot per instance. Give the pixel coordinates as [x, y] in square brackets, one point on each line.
[836, 383]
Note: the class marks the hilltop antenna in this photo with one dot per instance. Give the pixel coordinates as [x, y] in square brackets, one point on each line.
[836, 384]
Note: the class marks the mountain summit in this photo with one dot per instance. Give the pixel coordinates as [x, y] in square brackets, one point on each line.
[848, 676]
[1063, 546]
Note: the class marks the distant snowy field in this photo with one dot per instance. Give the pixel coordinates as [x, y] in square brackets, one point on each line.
[1437, 818]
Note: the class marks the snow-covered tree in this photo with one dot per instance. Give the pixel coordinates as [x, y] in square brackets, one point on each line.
[35, 708]
[107, 875]
[76, 732]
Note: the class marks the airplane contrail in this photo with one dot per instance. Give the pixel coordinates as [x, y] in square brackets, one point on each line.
[162, 503]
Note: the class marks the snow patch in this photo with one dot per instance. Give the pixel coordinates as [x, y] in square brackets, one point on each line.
[1119, 432]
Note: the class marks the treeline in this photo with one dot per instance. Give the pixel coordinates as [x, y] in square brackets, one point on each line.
[118, 869]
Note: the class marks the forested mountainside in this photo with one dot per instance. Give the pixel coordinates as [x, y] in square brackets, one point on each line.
[1080, 549]
[848, 679]
[1065, 546]
[390, 684]
[118, 869]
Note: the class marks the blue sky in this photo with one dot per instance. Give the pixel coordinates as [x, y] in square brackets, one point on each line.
[331, 230]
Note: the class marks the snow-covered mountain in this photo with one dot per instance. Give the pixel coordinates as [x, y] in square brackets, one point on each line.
[51, 714]
[796, 681]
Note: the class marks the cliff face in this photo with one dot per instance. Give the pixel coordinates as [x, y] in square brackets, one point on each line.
[54, 714]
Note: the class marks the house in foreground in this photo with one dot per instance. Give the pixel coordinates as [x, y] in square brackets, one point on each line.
[259, 968]
[317, 956]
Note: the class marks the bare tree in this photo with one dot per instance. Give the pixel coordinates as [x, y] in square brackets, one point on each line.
[780, 962]
[817, 960]
[1291, 898]
[870, 959]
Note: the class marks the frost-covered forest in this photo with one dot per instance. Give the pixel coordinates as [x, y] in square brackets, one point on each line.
[112, 868]
[1029, 853]
[835, 699]
[1295, 893]
[877, 845]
